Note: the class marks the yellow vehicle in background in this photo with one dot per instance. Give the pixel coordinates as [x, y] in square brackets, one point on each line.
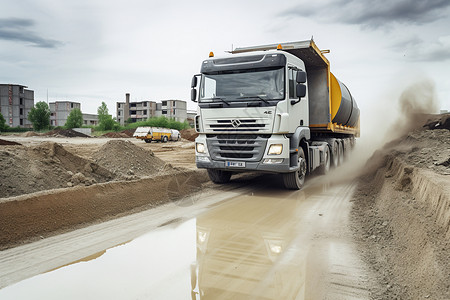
[149, 134]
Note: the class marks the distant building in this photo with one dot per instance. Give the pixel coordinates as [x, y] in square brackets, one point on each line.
[60, 110]
[16, 102]
[175, 109]
[90, 119]
[142, 110]
[137, 111]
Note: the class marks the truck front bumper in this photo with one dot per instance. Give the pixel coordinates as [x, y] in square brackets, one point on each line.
[271, 163]
[282, 167]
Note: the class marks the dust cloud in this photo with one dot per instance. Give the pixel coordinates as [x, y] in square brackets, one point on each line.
[385, 119]
[415, 102]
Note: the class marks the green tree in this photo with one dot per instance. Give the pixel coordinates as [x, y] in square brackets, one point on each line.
[75, 119]
[128, 121]
[105, 120]
[3, 125]
[39, 116]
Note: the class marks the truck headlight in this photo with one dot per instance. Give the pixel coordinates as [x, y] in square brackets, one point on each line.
[275, 149]
[200, 147]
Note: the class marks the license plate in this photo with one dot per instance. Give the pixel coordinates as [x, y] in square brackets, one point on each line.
[235, 164]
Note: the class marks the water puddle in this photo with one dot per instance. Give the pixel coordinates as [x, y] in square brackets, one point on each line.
[263, 245]
[140, 269]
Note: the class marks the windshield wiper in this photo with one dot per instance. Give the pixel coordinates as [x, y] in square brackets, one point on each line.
[256, 96]
[221, 99]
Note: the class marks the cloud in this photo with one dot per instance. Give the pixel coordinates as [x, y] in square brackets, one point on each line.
[372, 14]
[416, 49]
[17, 29]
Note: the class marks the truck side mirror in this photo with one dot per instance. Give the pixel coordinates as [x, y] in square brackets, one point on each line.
[194, 95]
[193, 86]
[194, 81]
[301, 92]
[301, 77]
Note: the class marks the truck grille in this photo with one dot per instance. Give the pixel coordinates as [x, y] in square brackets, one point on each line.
[240, 147]
[238, 125]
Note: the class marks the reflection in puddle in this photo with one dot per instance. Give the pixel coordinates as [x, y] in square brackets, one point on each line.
[244, 250]
[141, 269]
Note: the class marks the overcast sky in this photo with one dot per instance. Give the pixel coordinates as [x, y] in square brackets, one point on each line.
[91, 51]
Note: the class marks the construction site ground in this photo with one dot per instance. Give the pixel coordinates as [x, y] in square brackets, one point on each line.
[379, 230]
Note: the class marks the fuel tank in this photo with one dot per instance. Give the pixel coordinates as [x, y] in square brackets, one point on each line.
[344, 110]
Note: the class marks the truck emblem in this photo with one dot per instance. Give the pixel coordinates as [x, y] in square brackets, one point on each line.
[235, 123]
[268, 112]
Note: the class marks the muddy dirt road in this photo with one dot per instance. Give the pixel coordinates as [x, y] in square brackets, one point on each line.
[247, 240]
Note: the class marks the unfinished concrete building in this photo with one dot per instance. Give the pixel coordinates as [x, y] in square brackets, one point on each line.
[16, 102]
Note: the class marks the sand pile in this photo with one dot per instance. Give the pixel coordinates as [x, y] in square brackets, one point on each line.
[189, 134]
[8, 143]
[30, 134]
[65, 133]
[128, 132]
[126, 159]
[25, 170]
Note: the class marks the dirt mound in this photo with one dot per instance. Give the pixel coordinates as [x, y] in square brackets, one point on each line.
[115, 135]
[428, 149]
[401, 214]
[128, 132]
[189, 134]
[126, 159]
[29, 134]
[65, 133]
[47, 166]
[8, 143]
[32, 217]
[438, 122]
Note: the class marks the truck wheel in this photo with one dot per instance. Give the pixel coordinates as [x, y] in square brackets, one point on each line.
[218, 176]
[296, 180]
[164, 139]
[148, 140]
[323, 169]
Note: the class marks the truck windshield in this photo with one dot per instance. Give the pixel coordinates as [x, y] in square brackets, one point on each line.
[243, 85]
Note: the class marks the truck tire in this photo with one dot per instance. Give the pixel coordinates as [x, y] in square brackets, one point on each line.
[148, 140]
[218, 176]
[323, 169]
[296, 180]
[164, 139]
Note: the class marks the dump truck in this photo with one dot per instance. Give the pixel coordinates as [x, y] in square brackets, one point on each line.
[149, 134]
[272, 108]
